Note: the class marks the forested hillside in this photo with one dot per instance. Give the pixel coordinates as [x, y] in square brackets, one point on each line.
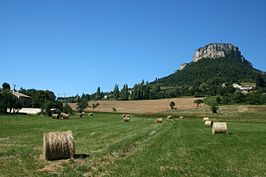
[222, 70]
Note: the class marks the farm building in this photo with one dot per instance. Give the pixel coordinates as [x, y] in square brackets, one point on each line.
[24, 100]
[244, 89]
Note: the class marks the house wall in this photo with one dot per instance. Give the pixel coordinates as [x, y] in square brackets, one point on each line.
[25, 102]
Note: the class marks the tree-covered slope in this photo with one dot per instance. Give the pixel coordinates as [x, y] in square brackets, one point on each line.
[222, 70]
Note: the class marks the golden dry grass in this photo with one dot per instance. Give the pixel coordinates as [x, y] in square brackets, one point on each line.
[141, 106]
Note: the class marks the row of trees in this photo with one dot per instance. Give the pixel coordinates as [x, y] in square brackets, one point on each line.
[123, 94]
[44, 99]
[144, 91]
[140, 91]
[212, 87]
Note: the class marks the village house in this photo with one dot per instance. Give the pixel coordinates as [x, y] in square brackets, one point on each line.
[244, 89]
[24, 100]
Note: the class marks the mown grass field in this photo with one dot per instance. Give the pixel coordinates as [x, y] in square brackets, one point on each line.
[105, 146]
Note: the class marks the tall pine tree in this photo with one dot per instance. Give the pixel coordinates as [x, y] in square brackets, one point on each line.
[116, 92]
[124, 92]
[98, 94]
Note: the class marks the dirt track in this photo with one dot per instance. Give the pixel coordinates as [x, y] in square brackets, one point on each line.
[141, 106]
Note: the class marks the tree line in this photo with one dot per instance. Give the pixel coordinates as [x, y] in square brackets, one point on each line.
[206, 78]
[43, 99]
[211, 87]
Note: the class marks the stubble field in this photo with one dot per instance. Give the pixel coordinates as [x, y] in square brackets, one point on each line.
[141, 106]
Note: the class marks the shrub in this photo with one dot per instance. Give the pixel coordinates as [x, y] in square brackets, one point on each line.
[198, 102]
[172, 104]
[67, 109]
[211, 100]
[95, 105]
[214, 108]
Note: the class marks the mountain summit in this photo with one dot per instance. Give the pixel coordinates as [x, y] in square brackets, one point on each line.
[216, 69]
[217, 50]
[219, 62]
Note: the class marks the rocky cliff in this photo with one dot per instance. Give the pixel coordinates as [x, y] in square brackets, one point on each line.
[217, 50]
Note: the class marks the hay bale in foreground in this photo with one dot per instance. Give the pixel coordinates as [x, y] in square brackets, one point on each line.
[55, 116]
[208, 123]
[123, 115]
[81, 114]
[126, 119]
[90, 114]
[58, 145]
[159, 120]
[205, 119]
[64, 115]
[219, 127]
[169, 117]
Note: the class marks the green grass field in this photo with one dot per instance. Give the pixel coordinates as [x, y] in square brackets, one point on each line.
[105, 146]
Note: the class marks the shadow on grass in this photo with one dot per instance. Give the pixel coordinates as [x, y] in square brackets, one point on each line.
[81, 156]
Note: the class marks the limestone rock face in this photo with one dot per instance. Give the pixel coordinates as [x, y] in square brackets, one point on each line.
[182, 66]
[217, 50]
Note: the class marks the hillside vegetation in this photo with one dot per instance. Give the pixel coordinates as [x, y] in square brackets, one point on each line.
[222, 70]
[214, 77]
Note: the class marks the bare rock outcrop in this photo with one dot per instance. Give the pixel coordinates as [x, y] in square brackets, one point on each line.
[217, 50]
[182, 66]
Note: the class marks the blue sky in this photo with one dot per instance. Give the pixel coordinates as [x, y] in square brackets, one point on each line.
[73, 46]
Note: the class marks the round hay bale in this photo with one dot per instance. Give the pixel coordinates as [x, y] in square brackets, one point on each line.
[90, 114]
[219, 127]
[55, 116]
[205, 119]
[127, 115]
[82, 114]
[208, 123]
[169, 117]
[181, 117]
[123, 115]
[159, 120]
[64, 115]
[58, 145]
[126, 119]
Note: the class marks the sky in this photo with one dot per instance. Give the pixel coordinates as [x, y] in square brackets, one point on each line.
[73, 46]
